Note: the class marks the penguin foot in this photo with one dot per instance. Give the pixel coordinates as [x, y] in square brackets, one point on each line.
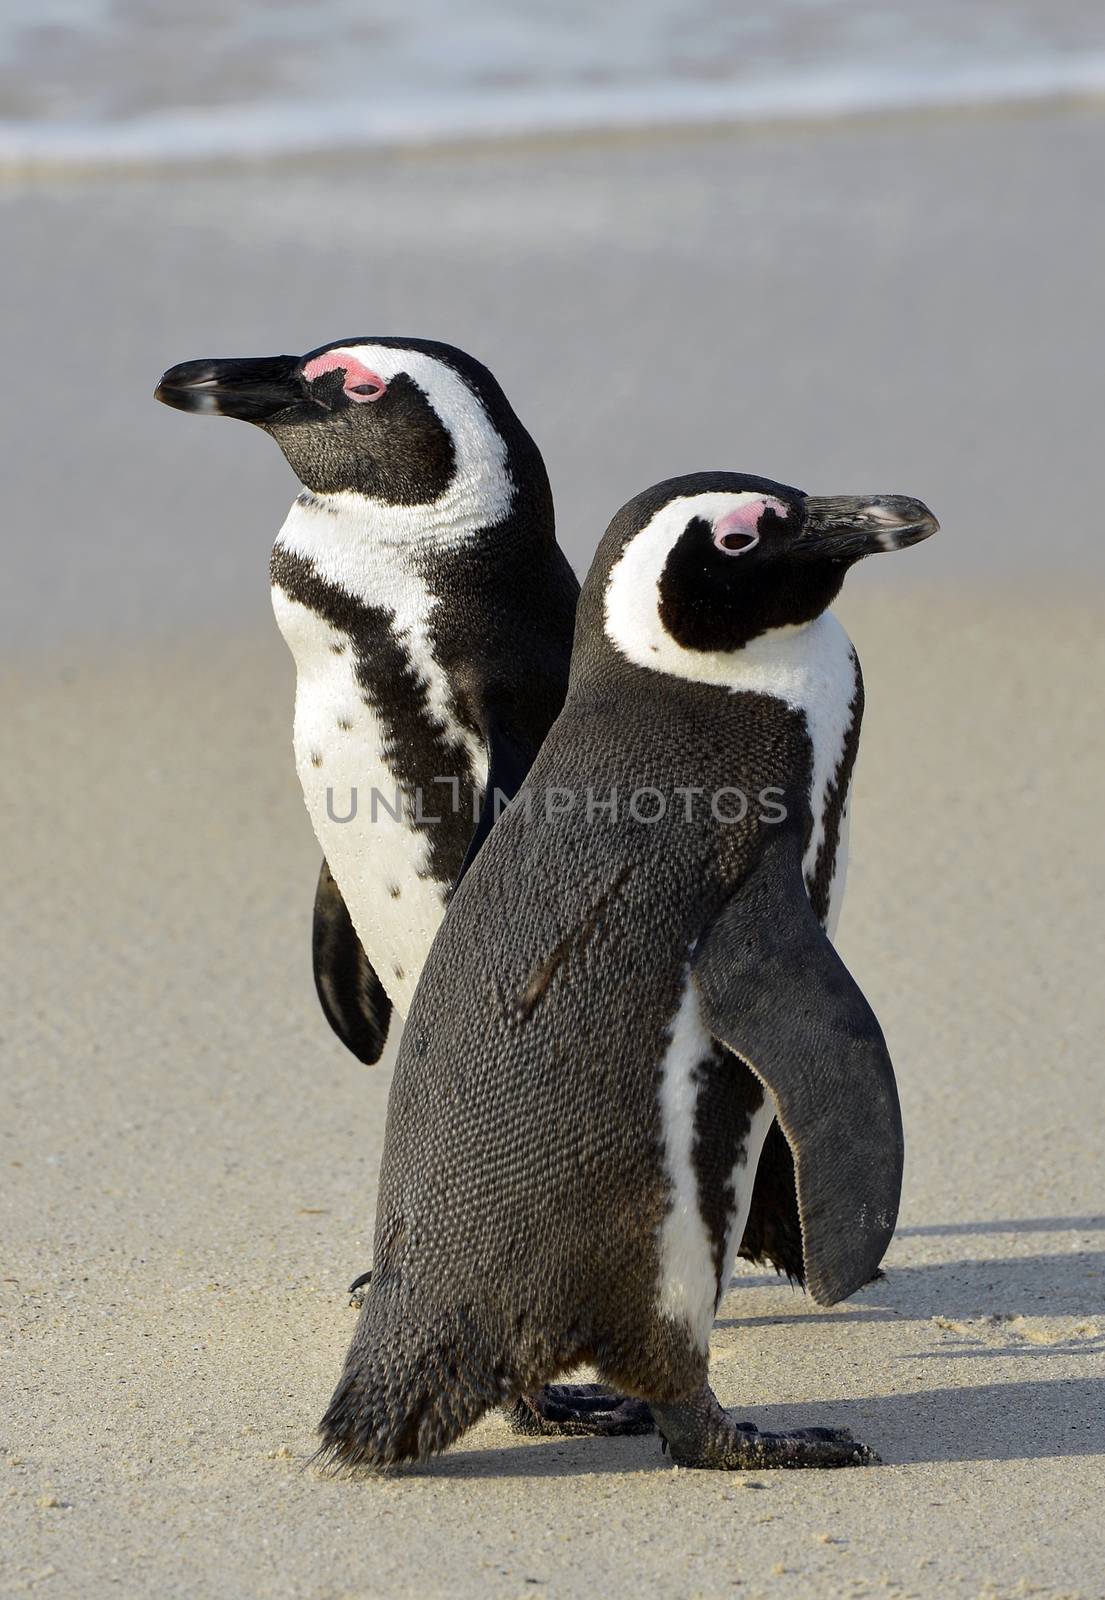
[583, 1408]
[700, 1433]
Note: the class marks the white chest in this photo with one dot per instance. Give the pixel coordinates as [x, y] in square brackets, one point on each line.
[368, 552]
[361, 818]
[813, 671]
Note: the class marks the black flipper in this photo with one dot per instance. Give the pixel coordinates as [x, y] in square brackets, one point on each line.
[351, 995]
[508, 762]
[773, 989]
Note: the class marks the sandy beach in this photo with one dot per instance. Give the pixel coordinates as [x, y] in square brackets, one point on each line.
[190, 1159]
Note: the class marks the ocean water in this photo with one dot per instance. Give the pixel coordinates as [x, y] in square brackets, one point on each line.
[137, 81]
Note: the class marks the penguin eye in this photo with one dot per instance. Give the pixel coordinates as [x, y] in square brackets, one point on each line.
[359, 384]
[740, 530]
[736, 542]
[737, 532]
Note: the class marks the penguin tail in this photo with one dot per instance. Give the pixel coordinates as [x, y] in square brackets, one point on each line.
[411, 1386]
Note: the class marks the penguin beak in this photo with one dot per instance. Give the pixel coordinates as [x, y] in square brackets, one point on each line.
[253, 390]
[846, 527]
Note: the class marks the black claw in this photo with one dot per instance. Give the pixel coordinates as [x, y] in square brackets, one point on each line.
[359, 1283]
[813, 1447]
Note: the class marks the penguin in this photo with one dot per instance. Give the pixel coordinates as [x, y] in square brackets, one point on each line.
[429, 609]
[633, 985]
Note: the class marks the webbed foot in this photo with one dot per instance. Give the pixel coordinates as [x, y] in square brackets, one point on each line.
[583, 1408]
[700, 1433]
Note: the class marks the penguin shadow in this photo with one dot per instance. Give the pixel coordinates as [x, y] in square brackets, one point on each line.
[932, 1230]
[552, 1458]
[974, 1308]
[961, 1298]
[978, 1308]
[1028, 1420]
[988, 1292]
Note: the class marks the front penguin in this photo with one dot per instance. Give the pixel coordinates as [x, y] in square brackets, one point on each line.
[632, 982]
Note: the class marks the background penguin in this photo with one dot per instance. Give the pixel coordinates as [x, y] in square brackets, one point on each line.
[429, 609]
[419, 585]
[643, 955]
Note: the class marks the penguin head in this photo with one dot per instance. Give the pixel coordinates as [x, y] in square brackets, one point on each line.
[402, 422]
[704, 564]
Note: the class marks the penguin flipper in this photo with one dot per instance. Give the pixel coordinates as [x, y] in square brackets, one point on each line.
[352, 997]
[508, 762]
[773, 989]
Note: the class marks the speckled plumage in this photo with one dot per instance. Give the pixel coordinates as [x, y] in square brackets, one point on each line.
[528, 1188]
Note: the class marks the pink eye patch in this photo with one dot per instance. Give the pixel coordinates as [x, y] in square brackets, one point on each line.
[361, 383]
[739, 530]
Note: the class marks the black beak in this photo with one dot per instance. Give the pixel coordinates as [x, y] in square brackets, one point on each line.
[253, 390]
[845, 527]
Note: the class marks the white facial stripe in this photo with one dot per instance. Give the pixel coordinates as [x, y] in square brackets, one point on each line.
[633, 590]
[380, 861]
[349, 536]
